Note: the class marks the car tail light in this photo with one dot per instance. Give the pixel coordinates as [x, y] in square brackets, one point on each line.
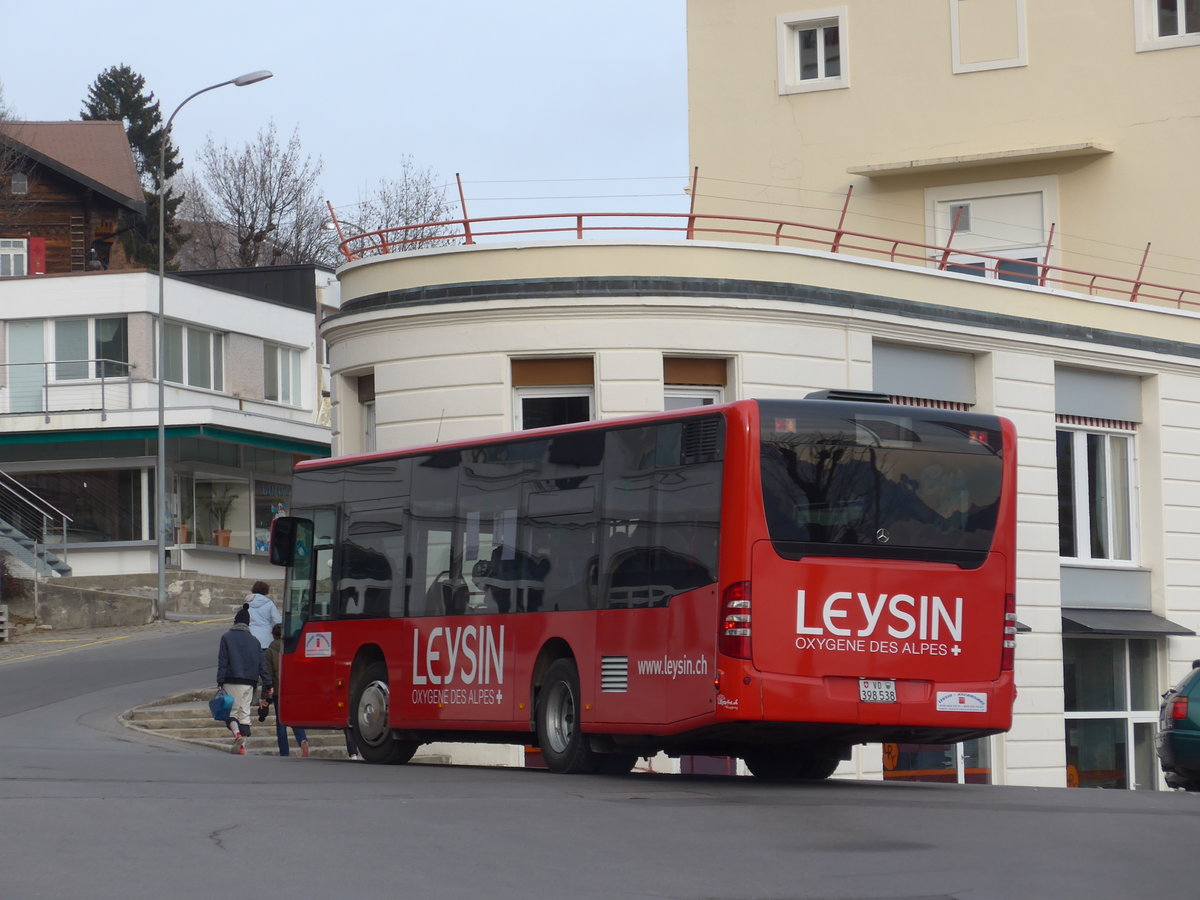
[1009, 652]
[734, 639]
[1179, 708]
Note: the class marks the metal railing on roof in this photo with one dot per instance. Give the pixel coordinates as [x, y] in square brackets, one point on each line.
[781, 233]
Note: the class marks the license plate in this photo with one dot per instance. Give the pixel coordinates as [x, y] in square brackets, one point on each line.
[875, 690]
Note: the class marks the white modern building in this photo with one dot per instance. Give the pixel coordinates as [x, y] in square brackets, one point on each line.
[244, 399]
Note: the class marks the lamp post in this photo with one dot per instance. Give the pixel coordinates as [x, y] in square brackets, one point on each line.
[160, 465]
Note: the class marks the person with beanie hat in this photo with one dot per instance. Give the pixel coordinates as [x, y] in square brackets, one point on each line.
[240, 666]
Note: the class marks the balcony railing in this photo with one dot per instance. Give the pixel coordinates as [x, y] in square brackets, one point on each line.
[72, 385]
[782, 233]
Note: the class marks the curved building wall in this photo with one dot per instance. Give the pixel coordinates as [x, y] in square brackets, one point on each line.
[432, 337]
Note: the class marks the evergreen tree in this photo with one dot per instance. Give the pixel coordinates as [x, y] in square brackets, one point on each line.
[119, 94]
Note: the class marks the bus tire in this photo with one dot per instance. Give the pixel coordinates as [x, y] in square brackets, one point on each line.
[369, 702]
[564, 747]
[791, 762]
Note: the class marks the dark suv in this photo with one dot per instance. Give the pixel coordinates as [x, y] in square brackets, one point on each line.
[1178, 740]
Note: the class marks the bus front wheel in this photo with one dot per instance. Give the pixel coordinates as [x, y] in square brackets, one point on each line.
[564, 746]
[369, 700]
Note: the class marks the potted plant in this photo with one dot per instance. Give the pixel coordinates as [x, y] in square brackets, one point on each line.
[218, 507]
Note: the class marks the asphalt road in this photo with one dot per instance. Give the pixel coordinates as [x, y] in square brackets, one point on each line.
[90, 809]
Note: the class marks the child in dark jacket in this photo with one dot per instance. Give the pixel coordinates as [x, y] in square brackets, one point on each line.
[240, 666]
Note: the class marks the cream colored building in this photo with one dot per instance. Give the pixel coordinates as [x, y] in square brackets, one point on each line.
[1101, 375]
[1074, 115]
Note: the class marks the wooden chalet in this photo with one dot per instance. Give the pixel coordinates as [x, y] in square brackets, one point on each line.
[62, 195]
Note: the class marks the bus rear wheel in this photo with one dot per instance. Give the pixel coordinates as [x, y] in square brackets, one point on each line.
[564, 746]
[369, 701]
[792, 762]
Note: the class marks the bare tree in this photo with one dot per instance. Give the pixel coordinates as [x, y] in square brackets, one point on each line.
[14, 206]
[414, 199]
[257, 206]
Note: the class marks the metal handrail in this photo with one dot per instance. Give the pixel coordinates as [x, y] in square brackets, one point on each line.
[89, 391]
[692, 226]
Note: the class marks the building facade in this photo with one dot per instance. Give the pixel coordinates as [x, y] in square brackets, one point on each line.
[243, 400]
[943, 200]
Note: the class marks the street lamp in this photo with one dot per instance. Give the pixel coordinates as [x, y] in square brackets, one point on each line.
[160, 465]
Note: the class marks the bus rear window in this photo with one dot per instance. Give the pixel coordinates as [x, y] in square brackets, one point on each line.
[892, 482]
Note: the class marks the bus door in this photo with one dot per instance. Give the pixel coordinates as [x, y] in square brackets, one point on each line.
[309, 694]
[458, 657]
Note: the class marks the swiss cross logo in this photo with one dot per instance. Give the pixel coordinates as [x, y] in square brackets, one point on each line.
[318, 643]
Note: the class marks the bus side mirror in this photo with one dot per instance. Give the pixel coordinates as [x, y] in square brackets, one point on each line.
[284, 531]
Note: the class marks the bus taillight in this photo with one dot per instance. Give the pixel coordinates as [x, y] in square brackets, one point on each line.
[734, 639]
[1008, 654]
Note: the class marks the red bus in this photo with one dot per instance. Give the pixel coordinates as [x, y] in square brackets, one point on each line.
[774, 580]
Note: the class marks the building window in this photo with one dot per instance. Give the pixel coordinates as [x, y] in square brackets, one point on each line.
[365, 387]
[969, 762]
[1095, 495]
[107, 339]
[923, 376]
[1164, 24]
[545, 406]
[812, 51]
[1111, 703]
[281, 374]
[987, 34]
[549, 392]
[693, 381]
[1009, 219]
[14, 257]
[194, 356]
[20, 183]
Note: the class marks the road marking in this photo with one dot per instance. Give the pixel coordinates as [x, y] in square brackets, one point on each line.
[76, 645]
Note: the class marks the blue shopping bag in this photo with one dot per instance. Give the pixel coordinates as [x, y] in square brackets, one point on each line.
[220, 705]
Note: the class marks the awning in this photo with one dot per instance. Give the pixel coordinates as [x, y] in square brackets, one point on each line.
[1117, 621]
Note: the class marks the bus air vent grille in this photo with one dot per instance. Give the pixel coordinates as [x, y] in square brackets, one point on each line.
[614, 674]
[701, 440]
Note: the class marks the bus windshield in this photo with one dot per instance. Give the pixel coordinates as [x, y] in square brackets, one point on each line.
[888, 482]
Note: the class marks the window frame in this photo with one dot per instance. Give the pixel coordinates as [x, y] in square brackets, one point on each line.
[18, 184]
[13, 249]
[1081, 524]
[788, 29]
[958, 67]
[538, 392]
[1146, 34]
[216, 356]
[1130, 717]
[692, 395]
[286, 373]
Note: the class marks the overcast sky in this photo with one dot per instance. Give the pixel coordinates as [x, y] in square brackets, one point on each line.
[517, 95]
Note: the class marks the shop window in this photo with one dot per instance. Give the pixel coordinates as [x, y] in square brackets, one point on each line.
[271, 500]
[1111, 703]
[969, 762]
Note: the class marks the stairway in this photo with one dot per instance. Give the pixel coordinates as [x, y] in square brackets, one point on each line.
[17, 543]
